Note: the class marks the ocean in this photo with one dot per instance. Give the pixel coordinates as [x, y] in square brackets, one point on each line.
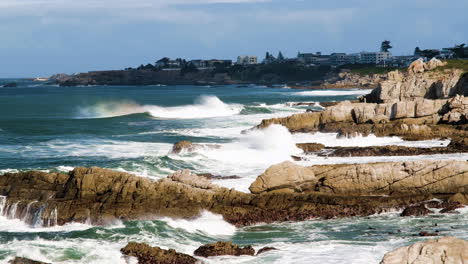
[133, 128]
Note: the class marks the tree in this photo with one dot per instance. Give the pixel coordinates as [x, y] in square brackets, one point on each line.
[417, 51]
[280, 56]
[459, 51]
[429, 53]
[385, 46]
[187, 68]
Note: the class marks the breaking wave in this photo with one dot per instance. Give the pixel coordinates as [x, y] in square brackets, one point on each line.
[203, 107]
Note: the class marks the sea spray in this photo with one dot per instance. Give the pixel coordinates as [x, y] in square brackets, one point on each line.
[203, 107]
[208, 223]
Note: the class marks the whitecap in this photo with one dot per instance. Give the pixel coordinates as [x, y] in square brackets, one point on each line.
[207, 222]
[204, 107]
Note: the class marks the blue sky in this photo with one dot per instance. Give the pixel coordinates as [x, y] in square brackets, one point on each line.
[42, 37]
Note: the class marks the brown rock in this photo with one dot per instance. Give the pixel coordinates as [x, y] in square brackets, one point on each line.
[223, 248]
[155, 255]
[188, 146]
[286, 175]
[415, 210]
[19, 260]
[265, 249]
[426, 234]
[310, 147]
[446, 250]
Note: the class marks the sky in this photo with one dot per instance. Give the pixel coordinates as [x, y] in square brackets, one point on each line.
[43, 37]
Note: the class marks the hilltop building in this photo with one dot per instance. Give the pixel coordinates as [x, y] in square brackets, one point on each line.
[247, 60]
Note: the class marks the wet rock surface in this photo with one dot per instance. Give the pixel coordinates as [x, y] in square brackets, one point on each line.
[99, 196]
[155, 255]
[223, 248]
[416, 210]
[446, 250]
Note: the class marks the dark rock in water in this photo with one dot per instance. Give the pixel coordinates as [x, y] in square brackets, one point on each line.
[426, 234]
[449, 207]
[296, 158]
[310, 147]
[13, 84]
[190, 147]
[223, 248]
[218, 177]
[265, 249]
[415, 210]
[155, 255]
[19, 260]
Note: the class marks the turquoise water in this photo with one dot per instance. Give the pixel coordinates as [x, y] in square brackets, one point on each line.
[132, 129]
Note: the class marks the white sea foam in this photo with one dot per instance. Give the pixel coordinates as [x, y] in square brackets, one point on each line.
[208, 223]
[331, 140]
[204, 107]
[333, 92]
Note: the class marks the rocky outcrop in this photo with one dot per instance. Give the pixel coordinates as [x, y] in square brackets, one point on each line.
[415, 210]
[392, 150]
[420, 82]
[347, 79]
[286, 175]
[99, 196]
[187, 146]
[415, 120]
[388, 178]
[446, 250]
[222, 249]
[458, 110]
[155, 255]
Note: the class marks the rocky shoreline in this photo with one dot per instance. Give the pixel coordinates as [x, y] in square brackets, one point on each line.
[423, 103]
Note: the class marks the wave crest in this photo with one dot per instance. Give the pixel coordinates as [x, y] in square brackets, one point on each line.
[203, 107]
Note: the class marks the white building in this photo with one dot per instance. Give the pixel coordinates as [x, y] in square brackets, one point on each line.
[373, 57]
[247, 60]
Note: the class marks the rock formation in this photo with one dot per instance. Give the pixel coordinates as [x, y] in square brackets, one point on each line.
[387, 178]
[188, 146]
[446, 250]
[155, 255]
[99, 195]
[417, 119]
[223, 248]
[286, 175]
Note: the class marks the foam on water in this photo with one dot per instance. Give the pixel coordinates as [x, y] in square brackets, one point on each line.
[204, 107]
[332, 140]
[208, 223]
[333, 92]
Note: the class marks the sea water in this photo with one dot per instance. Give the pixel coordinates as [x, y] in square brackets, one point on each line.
[132, 129]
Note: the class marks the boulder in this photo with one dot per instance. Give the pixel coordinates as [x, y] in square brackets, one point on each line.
[187, 146]
[286, 175]
[417, 66]
[446, 250]
[149, 255]
[223, 248]
[416, 210]
[434, 63]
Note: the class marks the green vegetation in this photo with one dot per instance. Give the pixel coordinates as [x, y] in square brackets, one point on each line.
[456, 64]
[367, 69]
[275, 72]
